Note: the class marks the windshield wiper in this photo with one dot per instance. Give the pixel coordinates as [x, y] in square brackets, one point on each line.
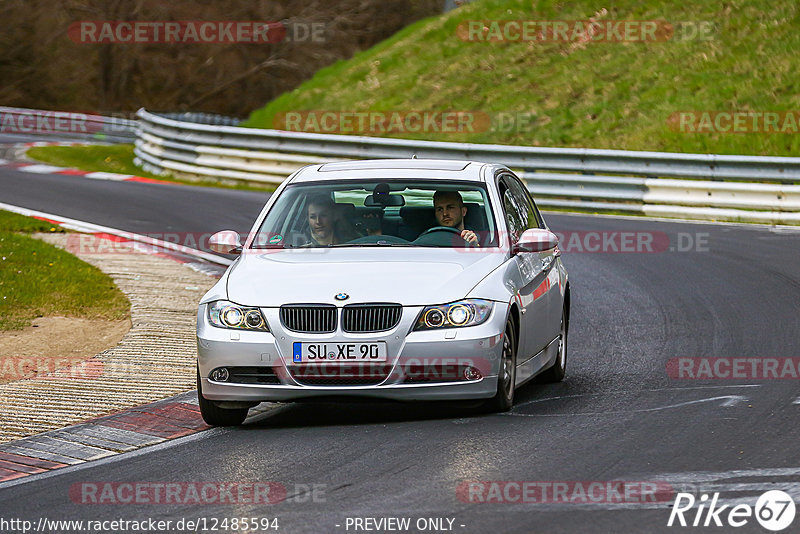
[378, 244]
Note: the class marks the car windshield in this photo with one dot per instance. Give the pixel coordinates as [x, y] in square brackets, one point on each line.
[386, 213]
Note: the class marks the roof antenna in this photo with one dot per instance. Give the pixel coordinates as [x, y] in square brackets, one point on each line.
[414, 155]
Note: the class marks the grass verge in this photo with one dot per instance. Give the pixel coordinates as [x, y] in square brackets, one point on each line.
[106, 158]
[614, 95]
[38, 279]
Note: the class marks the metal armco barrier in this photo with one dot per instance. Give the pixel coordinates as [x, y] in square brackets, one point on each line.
[67, 124]
[696, 186]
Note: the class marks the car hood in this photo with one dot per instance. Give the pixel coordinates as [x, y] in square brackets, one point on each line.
[407, 276]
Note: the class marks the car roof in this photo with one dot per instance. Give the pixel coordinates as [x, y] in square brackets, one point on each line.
[429, 169]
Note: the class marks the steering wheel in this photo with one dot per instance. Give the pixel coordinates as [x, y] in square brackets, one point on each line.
[440, 229]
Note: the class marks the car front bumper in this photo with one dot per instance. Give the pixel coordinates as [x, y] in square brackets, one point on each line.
[430, 351]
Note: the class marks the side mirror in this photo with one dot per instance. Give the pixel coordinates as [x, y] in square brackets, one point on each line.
[225, 242]
[536, 240]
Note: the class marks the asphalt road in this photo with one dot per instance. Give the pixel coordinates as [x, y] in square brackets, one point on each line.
[617, 416]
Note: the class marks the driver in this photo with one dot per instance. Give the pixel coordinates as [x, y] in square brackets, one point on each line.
[450, 211]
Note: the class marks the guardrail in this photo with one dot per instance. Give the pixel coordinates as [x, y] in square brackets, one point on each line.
[703, 186]
[67, 124]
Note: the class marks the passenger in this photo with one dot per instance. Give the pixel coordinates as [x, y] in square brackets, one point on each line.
[326, 223]
[450, 211]
[322, 220]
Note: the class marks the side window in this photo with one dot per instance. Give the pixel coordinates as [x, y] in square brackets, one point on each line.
[531, 216]
[515, 213]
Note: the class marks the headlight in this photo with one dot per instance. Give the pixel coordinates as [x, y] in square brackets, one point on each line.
[469, 312]
[226, 314]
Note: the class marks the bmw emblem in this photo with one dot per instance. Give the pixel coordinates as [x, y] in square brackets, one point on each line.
[342, 296]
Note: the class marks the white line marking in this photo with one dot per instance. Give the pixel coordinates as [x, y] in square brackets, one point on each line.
[760, 487]
[107, 176]
[82, 226]
[41, 169]
[634, 391]
[464, 420]
[728, 400]
[712, 476]
[715, 481]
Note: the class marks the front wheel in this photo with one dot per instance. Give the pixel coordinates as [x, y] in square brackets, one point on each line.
[216, 416]
[504, 398]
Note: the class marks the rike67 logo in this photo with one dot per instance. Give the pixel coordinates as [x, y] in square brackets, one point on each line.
[774, 510]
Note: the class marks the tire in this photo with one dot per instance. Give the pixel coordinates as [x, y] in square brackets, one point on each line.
[503, 399]
[216, 416]
[559, 369]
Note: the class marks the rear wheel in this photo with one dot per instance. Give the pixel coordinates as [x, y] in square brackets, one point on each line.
[216, 416]
[504, 397]
[559, 369]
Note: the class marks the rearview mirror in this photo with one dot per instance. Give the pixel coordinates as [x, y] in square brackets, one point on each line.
[382, 201]
[225, 242]
[536, 240]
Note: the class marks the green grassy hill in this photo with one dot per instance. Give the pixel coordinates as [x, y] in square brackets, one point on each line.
[617, 95]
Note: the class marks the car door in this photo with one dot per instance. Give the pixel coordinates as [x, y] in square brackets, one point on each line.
[534, 268]
[551, 290]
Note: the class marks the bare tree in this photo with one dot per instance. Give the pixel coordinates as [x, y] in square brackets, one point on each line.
[41, 66]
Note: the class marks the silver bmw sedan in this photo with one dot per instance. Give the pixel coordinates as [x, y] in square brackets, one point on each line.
[412, 280]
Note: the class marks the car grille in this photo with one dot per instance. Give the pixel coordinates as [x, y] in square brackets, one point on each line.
[340, 375]
[253, 375]
[309, 319]
[370, 317]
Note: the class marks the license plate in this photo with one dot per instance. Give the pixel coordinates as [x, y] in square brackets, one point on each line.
[338, 352]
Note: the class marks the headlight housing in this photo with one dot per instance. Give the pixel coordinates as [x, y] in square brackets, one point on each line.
[469, 312]
[225, 314]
